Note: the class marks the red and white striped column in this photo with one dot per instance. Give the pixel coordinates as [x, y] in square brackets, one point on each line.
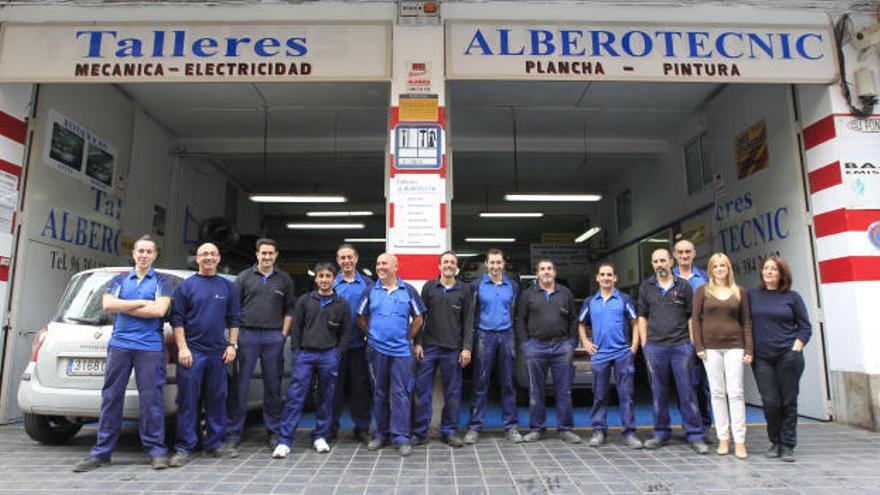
[14, 108]
[418, 214]
[843, 170]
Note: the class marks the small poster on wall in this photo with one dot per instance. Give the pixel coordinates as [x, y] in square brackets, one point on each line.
[751, 150]
[72, 145]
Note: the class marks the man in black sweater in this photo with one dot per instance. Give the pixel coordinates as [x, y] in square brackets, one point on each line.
[546, 327]
[321, 320]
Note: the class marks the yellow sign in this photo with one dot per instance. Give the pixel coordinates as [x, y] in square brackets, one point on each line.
[419, 108]
[751, 150]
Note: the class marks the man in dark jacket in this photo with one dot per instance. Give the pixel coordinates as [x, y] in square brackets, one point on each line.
[321, 321]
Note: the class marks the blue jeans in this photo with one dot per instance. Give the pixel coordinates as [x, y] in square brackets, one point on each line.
[208, 372]
[700, 382]
[149, 373]
[489, 347]
[305, 364]
[624, 371]
[392, 378]
[450, 371]
[675, 360]
[354, 372]
[267, 346]
[557, 358]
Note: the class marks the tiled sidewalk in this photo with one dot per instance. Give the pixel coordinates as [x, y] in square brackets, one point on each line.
[830, 459]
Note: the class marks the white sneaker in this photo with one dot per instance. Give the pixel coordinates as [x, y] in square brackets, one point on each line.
[321, 445]
[281, 451]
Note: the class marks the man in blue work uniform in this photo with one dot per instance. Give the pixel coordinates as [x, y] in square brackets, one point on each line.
[354, 375]
[684, 253]
[391, 315]
[611, 316]
[664, 310]
[546, 327]
[321, 321]
[205, 306]
[444, 343]
[139, 299]
[267, 299]
[491, 314]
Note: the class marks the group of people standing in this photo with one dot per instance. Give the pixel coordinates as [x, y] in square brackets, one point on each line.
[380, 344]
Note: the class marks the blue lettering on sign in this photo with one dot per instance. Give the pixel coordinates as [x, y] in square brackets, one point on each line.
[103, 43]
[729, 45]
[767, 227]
[73, 229]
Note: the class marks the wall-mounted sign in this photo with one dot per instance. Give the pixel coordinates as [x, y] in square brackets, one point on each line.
[418, 78]
[417, 147]
[417, 199]
[194, 52]
[419, 108]
[645, 52]
[78, 152]
[750, 147]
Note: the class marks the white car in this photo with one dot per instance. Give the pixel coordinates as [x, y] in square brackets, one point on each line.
[61, 388]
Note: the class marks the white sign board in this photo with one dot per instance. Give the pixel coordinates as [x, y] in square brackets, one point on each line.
[860, 161]
[194, 52]
[640, 52]
[417, 199]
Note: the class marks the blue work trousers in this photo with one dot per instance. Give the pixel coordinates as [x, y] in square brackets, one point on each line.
[306, 363]
[149, 373]
[492, 347]
[208, 374]
[675, 360]
[450, 372]
[392, 379]
[353, 372]
[267, 346]
[556, 357]
[624, 371]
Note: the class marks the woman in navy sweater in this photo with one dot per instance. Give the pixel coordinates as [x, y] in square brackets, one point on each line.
[781, 328]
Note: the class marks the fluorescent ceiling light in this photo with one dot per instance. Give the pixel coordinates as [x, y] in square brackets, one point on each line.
[364, 239]
[467, 255]
[296, 198]
[489, 239]
[310, 272]
[589, 233]
[552, 197]
[367, 271]
[658, 240]
[528, 277]
[339, 213]
[324, 226]
[511, 215]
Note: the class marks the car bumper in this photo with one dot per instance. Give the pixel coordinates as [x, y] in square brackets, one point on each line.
[35, 398]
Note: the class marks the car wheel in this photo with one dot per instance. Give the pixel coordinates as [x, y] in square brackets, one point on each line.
[50, 429]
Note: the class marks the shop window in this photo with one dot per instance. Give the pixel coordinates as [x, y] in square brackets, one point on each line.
[697, 166]
[624, 211]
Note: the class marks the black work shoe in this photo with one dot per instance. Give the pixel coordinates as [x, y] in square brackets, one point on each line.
[180, 459]
[453, 441]
[710, 437]
[88, 464]
[570, 437]
[773, 451]
[416, 441]
[159, 462]
[700, 447]
[224, 452]
[362, 437]
[597, 439]
[375, 444]
[655, 443]
[786, 454]
[404, 449]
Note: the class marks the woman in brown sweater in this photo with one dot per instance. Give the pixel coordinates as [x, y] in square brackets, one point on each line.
[722, 334]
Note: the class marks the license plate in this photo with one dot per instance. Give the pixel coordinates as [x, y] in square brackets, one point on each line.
[86, 367]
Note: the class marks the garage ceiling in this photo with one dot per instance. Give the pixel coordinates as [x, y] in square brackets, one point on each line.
[330, 138]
